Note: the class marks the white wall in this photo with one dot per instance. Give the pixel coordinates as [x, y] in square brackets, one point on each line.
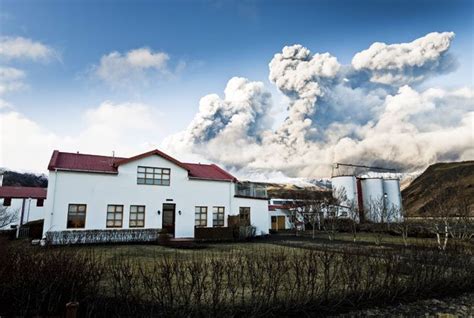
[282, 212]
[31, 212]
[99, 190]
[259, 216]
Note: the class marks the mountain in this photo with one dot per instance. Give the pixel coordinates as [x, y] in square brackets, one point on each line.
[292, 191]
[453, 181]
[12, 178]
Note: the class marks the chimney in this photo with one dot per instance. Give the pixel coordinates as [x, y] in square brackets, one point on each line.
[1, 177]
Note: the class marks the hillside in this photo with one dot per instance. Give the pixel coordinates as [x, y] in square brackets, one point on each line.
[17, 179]
[292, 191]
[454, 178]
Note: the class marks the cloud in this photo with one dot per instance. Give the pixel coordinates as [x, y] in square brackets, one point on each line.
[122, 70]
[414, 130]
[11, 79]
[406, 63]
[106, 128]
[335, 114]
[237, 119]
[303, 77]
[19, 48]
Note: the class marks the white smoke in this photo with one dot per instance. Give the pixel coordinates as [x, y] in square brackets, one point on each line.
[224, 128]
[405, 63]
[337, 114]
[302, 77]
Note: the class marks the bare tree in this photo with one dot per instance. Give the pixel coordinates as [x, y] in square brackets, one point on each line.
[376, 214]
[295, 216]
[349, 207]
[330, 223]
[461, 225]
[401, 225]
[7, 216]
[312, 215]
[311, 209]
[354, 217]
[438, 223]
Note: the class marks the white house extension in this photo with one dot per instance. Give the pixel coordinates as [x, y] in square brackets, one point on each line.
[148, 191]
[27, 203]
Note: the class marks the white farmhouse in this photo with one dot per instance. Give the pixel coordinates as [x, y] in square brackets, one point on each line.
[148, 191]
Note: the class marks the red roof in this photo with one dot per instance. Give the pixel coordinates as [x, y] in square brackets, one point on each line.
[82, 162]
[104, 164]
[212, 172]
[150, 153]
[273, 207]
[22, 192]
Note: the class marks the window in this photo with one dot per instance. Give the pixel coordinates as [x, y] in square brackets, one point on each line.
[114, 215]
[218, 216]
[7, 201]
[76, 216]
[153, 176]
[244, 216]
[137, 216]
[200, 218]
[39, 202]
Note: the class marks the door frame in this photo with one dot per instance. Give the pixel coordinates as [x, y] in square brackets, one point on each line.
[168, 209]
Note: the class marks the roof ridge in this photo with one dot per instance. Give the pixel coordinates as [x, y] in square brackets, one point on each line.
[89, 154]
[150, 153]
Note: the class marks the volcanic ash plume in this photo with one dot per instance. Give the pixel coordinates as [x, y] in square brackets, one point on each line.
[369, 112]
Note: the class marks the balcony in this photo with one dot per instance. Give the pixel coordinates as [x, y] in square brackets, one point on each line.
[251, 190]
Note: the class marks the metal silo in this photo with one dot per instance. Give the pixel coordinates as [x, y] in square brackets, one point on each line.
[393, 200]
[373, 198]
[345, 185]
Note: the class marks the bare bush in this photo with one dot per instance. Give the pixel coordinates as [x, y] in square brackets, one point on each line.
[7, 216]
[238, 283]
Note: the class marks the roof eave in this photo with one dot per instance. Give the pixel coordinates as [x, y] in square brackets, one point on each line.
[86, 171]
[211, 179]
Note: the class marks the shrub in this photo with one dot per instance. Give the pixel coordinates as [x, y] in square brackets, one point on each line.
[247, 232]
[102, 236]
[39, 282]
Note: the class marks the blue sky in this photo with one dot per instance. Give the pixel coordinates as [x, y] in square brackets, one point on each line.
[207, 42]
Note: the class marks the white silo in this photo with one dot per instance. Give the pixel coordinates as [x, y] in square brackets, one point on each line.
[393, 199]
[373, 198]
[346, 187]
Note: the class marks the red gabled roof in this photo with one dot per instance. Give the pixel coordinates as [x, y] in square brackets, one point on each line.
[103, 164]
[151, 153]
[82, 162]
[22, 192]
[211, 172]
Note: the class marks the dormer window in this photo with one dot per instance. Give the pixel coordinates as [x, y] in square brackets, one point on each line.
[153, 176]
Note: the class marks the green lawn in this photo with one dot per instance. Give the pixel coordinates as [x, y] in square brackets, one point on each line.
[385, 238]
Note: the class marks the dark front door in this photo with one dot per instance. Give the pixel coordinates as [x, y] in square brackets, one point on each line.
[169, 217]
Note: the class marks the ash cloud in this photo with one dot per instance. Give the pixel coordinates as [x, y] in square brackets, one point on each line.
[406, 63]
[369, 112]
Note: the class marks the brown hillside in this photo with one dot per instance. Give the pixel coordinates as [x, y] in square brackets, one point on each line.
[455, 179]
